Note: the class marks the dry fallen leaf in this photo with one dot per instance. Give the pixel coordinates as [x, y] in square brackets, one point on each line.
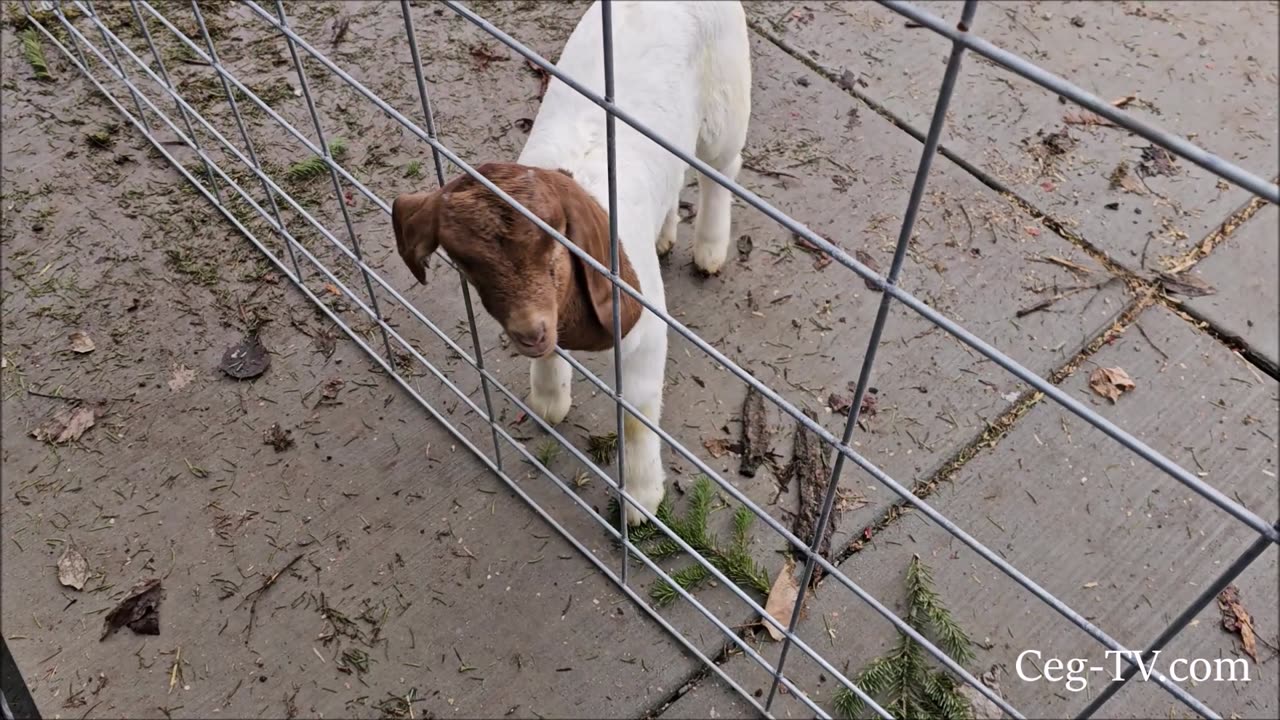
[1122, 179]
[139, 610]
[1111, 383]
[65, 426]
[246, 359]
[73, 569]
[182, 377]
[782, 599]
[718, 447]
[331, 387]
[1237, 620]
[81, 343]
[1186, 285]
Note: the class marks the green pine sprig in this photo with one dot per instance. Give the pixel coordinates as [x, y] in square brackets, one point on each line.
[315, 166]
[903, 681]
[733, 559]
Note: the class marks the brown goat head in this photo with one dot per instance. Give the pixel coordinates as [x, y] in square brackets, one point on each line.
[539, 292]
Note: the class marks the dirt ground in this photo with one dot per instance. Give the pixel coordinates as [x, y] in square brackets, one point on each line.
[328, 549]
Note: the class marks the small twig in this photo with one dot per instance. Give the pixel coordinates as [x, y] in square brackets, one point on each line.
[257, 594]
[1149, 341]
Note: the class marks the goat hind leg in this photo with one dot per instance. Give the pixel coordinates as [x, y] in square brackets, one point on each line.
[711, 228]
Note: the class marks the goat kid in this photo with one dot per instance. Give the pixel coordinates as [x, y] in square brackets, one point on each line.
[683, 69]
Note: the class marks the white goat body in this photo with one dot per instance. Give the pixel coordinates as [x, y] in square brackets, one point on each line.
[683, 69]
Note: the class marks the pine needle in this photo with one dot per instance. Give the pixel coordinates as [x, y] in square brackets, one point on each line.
[314, 167]
[601, 448]
[33, 50]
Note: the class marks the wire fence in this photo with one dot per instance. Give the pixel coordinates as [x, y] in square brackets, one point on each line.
[113, 53]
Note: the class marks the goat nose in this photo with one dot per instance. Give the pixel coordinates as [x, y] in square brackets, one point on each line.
[532, 338]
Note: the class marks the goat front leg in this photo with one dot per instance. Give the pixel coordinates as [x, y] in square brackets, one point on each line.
[642, 382]
[549, 393]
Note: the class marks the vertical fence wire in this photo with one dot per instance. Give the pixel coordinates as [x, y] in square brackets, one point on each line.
[93, 12]
[168, 82]
[611, 152]
[338, 195]
[240, 124]
[429, 117]
[1171, 630]
[930, 149]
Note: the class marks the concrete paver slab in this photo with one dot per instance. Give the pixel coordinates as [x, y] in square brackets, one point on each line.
[1242, 272]
[1209, 77]
[1116, 540]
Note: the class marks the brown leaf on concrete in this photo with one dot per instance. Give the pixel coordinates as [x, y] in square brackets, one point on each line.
[1186, 285]
[1157, 161]
[331, 387]
[81, 343]
[1236, 619]
[73, 569]
[139, 610]
[1122, 179]
[718, 447]
[755, 434]
[865, 258]
[66, 425]
[839, 404]
[1111, 383]
[1086, 118]
[246, 359]
[782, 599]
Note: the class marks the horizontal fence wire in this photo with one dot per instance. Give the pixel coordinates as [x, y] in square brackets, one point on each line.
[292, 269]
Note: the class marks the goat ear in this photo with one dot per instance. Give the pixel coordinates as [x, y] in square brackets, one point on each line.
[587, 226]
[415, 218]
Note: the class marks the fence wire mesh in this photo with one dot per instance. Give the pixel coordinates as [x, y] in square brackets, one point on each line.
[127, 50]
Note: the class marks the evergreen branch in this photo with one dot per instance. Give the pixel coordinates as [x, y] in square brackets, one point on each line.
[33, 51]
[315, 166]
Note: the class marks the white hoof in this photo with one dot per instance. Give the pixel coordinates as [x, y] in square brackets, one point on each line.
[666, 241]
[551, 407]
[649, 496]
[709, 255]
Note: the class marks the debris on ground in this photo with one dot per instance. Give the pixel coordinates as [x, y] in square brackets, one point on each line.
[1235, 619]
[66, 425]
[139, 610]
[1087, 119]
[246, 359]
[782, 599]
[277, 437]
[544, 78]
[330, 388]
[73, 569]
[1122, 179]
[182, 377]
[745, 246]
[719, 447]
[1186, 285]
[81, 343]
[1058, 143]
[808, 468]
[755, 434]
[840, 404]
[1157, 161]
[602, 448]
[1111, 383]
[821, 258]
[865, 258]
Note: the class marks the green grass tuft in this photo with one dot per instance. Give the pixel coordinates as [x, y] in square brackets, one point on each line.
[413, 170]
